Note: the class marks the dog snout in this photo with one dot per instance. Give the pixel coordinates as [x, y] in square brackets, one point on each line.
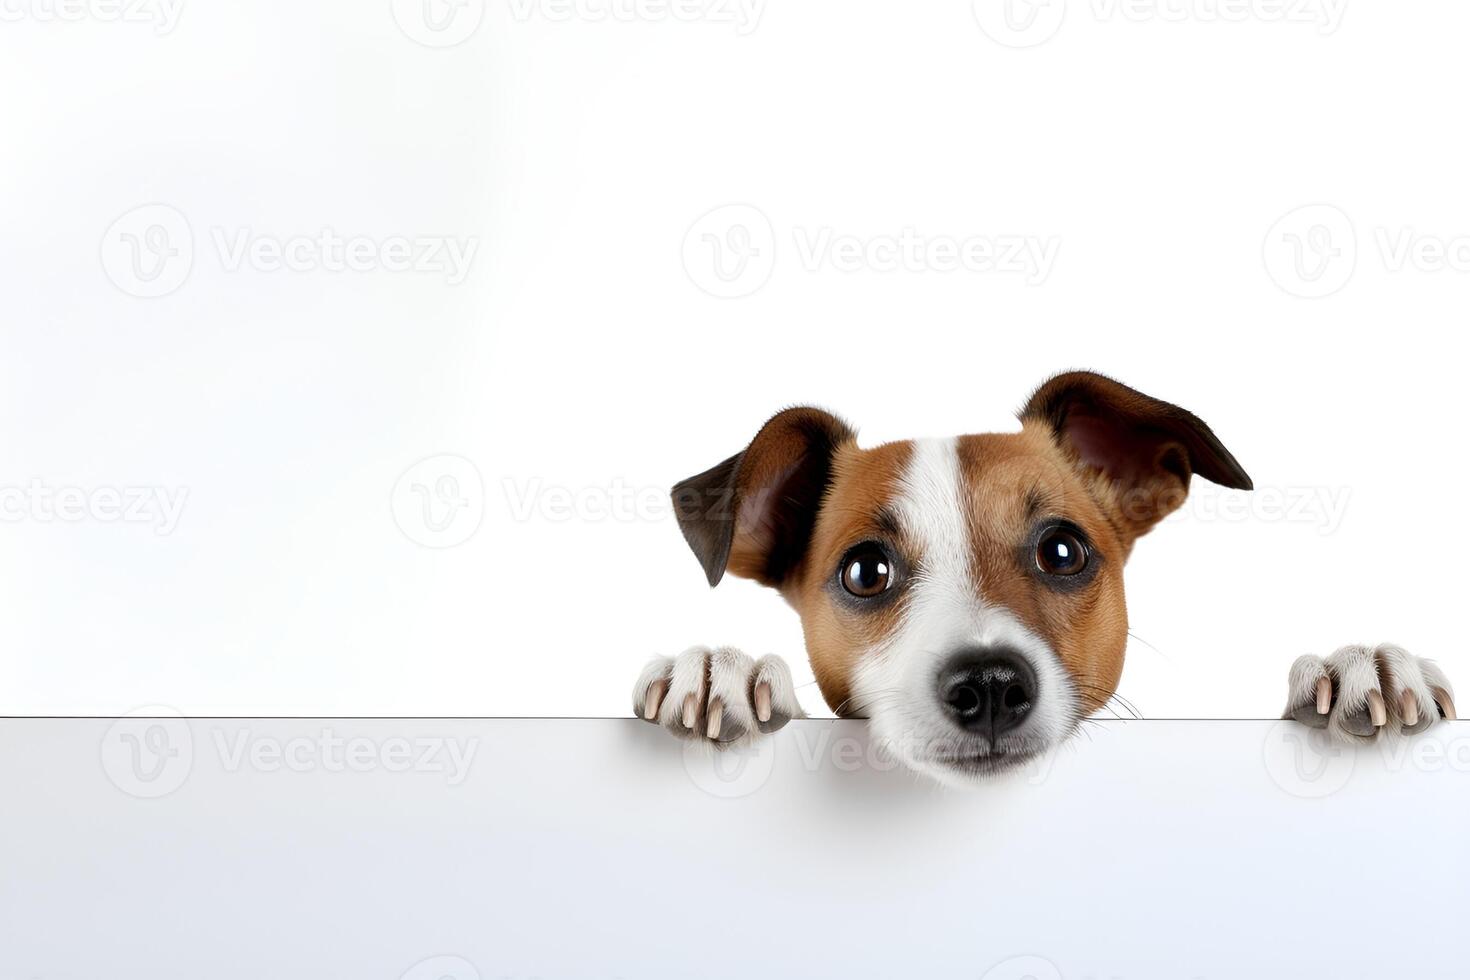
[988, 691]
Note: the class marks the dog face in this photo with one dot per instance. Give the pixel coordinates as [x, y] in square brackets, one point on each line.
[965, 594]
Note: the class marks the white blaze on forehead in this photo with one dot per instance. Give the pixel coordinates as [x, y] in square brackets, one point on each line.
[930, 507]
[946, 606]
[946, 611]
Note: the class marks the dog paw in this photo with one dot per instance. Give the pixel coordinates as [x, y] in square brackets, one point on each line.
[718, 695]
[1361, 692]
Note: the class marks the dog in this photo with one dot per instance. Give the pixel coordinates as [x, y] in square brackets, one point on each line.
[965, 595]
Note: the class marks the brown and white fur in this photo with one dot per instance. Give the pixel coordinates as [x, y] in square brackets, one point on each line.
[939, 586]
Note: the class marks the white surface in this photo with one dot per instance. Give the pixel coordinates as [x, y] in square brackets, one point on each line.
[598, 848]
[581, 368]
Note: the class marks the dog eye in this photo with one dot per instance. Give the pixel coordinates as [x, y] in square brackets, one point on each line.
[866, 571]
[1060, 551]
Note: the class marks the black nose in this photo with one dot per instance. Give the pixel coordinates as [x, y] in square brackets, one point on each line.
[988, 690]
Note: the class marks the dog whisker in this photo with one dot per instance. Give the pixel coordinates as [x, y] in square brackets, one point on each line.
[1112, 701]
[1149, 645]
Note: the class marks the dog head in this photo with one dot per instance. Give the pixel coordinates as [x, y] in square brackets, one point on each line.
[963, 594]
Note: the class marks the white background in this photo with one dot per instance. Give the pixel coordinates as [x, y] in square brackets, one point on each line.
[583, 357]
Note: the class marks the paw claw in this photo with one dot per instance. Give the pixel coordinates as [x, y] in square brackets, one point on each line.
[762, 702]
[1377, 710]
[651, 689]
[1324, 695]
[1409, 707]
[653, 699]
[716, 714]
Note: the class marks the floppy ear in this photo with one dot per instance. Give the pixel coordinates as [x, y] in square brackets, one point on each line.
[1138, 452]
[754, 513]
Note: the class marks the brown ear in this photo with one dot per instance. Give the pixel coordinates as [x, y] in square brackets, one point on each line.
[754, 513]
[1139, 451]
